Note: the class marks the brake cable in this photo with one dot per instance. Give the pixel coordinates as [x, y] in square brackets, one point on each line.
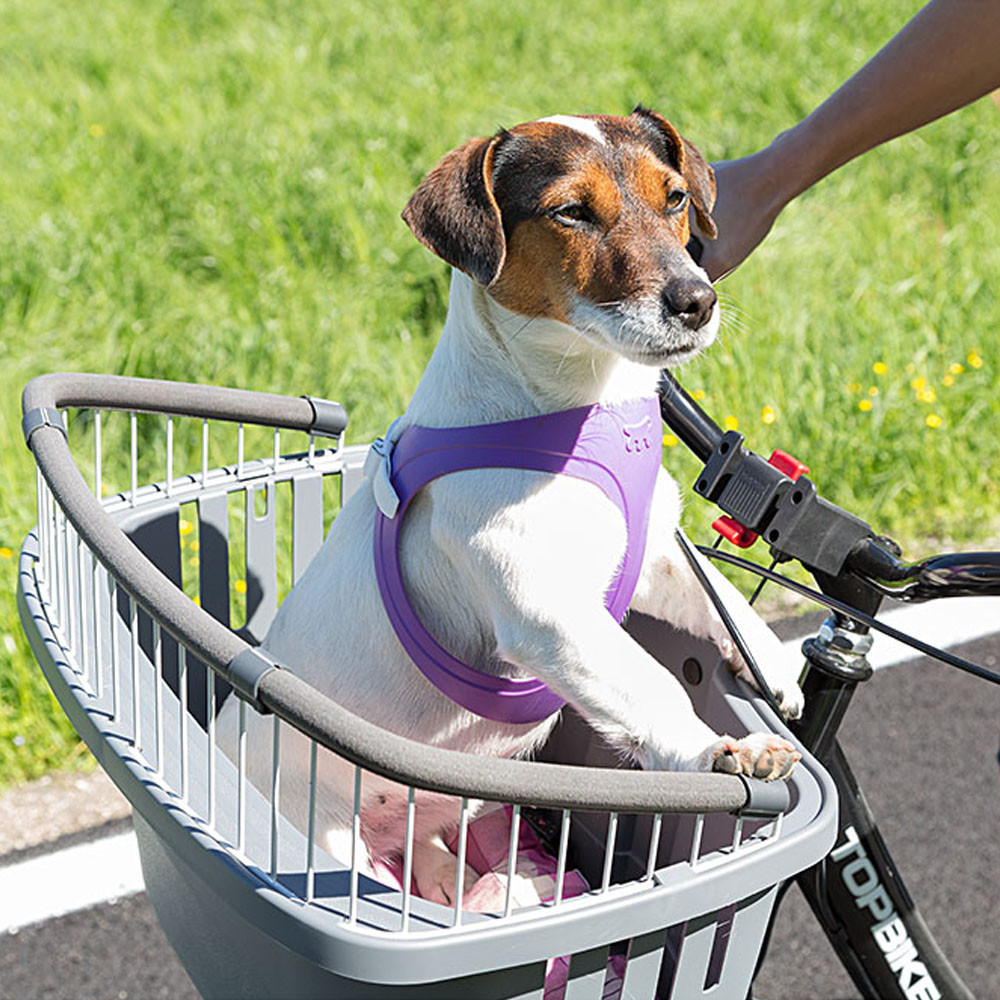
[950, 659]
[727, 620]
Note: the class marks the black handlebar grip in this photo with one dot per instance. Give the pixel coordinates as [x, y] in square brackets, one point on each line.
[695, 428]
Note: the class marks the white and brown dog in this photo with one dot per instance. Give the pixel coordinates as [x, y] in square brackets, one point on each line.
[571, 287]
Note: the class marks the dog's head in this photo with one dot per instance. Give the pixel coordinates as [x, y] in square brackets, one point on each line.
[583, 220]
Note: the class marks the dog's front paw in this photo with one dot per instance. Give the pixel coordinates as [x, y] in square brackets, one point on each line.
[759, 755]
[781, 672]
[786, 693]
[790, 700]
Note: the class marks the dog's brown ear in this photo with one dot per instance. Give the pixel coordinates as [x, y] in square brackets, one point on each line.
[455, 214]
[689, 161]
[701, 183]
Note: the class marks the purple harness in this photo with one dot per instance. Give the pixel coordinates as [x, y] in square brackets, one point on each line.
[614, 447]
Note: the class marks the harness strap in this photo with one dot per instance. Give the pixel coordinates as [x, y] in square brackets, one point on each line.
[613, 447]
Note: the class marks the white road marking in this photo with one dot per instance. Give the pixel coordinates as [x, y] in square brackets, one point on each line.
[74, 878]
[944, 623]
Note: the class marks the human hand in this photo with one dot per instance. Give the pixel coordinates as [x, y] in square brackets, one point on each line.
[945, 57]
[747, 203]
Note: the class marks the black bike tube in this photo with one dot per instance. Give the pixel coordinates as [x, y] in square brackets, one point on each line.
[864, 907]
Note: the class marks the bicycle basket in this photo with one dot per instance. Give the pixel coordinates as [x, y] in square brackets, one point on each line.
[131, 602]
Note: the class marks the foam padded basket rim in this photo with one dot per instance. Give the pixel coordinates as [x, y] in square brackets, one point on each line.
[213, 893]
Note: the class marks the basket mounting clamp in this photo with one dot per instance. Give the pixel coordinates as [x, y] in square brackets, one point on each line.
[245, 672]
[41, 416]
[329, 418]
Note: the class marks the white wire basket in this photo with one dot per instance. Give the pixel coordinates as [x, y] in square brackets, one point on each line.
[143, 606]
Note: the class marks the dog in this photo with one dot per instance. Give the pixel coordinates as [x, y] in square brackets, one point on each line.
[571, 288]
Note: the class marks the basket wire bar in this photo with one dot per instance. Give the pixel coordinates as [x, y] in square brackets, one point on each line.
[609, 850]
[356, 847]
[115, 648]
[104, 574]
[408, 858]
[134, 663]
[241, 801]
[275, 793]
[98, 458]
[96, 590]
[515, 830]
[654, 846]
[169, 472]
[561, 859]
[182, 717]
[133, 456]
[158, 696]
[699, 829]
[463, 845]
[311, 834]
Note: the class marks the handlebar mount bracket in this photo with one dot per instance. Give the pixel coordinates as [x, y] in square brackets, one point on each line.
[776, 500]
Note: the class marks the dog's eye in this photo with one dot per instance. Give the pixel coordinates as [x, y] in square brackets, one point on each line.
[677, 199]
[572, 212]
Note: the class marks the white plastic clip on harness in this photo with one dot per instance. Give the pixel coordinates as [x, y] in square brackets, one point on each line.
[378, 468]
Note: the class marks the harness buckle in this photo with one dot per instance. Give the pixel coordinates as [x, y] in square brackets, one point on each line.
[378, 468]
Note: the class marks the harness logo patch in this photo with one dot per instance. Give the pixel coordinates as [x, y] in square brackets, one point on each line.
[637, 437]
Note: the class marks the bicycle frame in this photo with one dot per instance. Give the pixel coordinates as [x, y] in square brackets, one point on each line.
[856, 892]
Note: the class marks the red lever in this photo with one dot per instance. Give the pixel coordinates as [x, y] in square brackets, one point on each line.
[788, 464]
[740, 535]
[732, 531]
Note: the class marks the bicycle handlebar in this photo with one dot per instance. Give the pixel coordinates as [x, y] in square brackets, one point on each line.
[959, 574]
[798, 523]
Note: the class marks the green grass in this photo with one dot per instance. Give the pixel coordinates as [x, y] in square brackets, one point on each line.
[212, 193]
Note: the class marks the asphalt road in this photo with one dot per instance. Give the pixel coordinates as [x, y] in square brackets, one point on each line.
[923, 742]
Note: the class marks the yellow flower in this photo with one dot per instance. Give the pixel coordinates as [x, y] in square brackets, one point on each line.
[927, 395]
[6, 553]
[698, 395]
[186, 527]
[669, 441]
[768, 415]
[197, 600]
[730, 423]
[932, 420]
[918, 383]
[240, 586]
[880, 367]
[956, 369]
[854, 387]
[948, 380]
[873, 390]
[864, 405]
[194, 546]
[96, 130]
[975, 361]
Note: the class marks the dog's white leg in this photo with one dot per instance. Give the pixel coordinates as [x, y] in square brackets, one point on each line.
[624, 693]
[669, 590]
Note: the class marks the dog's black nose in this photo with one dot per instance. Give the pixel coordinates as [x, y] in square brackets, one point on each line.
[691, 300]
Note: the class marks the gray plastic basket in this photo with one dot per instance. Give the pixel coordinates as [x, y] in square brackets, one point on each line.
[684, 868]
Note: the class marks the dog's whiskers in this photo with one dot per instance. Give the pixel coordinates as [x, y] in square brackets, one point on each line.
[731, 323]
[569, 349]
[524, 326]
